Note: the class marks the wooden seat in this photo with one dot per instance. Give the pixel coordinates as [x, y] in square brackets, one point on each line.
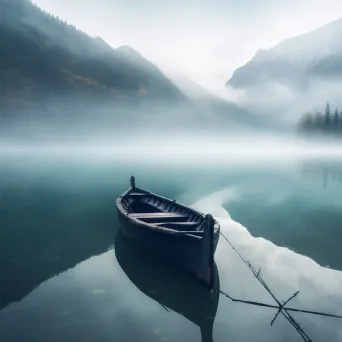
[178, 223]
[159, 217]
[156, 215]
[136, 194]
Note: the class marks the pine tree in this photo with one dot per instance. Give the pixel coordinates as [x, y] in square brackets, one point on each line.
[319, 121]
[327, 116]
[336, 119]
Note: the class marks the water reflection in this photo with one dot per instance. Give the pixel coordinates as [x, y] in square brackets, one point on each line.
[170, 287]
[330, 171]
[40, 239]
[46, 231]
[301, 210]
[284, 271]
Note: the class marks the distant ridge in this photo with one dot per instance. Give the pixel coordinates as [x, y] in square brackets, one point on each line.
[295, 60]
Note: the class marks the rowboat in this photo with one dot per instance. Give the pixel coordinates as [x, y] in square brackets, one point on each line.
[170, 286]
[170, 230]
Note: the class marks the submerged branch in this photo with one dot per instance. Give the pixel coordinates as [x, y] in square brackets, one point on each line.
[281, 307]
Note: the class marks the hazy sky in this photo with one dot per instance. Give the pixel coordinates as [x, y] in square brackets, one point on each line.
[204, 39]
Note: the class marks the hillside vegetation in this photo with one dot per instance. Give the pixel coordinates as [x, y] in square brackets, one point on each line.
[44, 58]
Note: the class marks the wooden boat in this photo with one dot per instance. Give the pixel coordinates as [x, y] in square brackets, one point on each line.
[170, 230]
[170, 286]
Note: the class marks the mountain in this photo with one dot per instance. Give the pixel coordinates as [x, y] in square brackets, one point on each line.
[44, 57]
[293, 62]
[56, 79]
[298, 75]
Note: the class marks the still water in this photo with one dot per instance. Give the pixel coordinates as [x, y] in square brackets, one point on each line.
[67, 275]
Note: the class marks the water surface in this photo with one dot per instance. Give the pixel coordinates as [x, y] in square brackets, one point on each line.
[66, 275]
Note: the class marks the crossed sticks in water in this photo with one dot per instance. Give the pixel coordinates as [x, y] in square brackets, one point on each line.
[281, 306]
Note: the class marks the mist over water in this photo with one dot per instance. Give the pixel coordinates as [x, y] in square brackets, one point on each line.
[179, 149]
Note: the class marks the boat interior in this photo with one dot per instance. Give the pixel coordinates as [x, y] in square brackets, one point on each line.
[161, 212]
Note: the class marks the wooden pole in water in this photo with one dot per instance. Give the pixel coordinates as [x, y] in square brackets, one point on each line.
[208, 252]
[132, 182]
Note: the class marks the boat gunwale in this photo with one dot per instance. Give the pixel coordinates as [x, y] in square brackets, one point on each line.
[159, 229]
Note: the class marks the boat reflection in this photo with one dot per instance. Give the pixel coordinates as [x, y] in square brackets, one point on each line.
[170, 286]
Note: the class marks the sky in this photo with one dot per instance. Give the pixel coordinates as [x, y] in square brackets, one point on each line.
[204, 40]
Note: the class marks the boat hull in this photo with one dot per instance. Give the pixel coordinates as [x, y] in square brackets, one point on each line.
[184, 250]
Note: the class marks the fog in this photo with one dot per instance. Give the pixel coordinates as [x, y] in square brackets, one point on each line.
[287, 104]
[203, 43]
[86, 120]
[209, 150]
[204, 40]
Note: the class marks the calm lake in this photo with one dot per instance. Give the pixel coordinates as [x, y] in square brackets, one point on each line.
[66, 274]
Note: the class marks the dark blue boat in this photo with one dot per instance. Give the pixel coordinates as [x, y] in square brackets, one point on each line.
[171, 230]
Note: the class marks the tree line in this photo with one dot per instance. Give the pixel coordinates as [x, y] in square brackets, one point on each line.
[329, 121]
